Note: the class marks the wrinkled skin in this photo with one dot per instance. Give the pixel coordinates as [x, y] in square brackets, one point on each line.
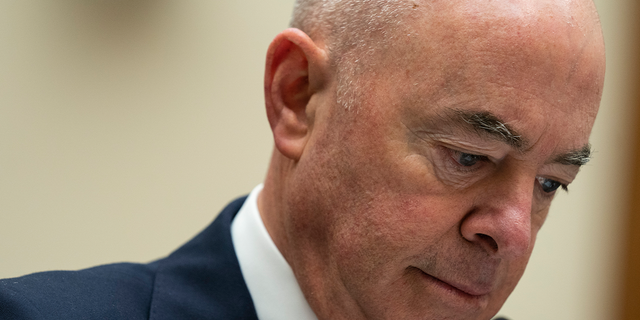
[399, 210]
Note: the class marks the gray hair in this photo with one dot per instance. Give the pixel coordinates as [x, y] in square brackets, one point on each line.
[353, 31]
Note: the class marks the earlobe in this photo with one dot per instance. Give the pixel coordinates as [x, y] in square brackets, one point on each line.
[293, 74]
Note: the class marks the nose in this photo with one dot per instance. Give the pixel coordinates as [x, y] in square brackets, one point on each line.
[500, 220]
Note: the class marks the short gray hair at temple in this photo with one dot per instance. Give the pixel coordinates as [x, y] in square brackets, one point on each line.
[353, 32]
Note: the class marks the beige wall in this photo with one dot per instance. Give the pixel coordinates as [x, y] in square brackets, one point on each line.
[126, 125]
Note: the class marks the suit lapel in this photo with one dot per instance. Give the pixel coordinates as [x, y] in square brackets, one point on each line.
[202, 279]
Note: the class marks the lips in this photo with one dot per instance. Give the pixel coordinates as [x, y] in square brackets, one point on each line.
[466, 290]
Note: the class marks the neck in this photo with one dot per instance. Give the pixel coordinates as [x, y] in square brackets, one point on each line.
[271, 201]
[309, 265]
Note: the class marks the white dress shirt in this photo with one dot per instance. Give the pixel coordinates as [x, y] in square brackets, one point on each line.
[273, 287]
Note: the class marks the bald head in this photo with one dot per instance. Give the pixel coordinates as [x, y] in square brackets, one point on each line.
[361, 36]
[350, 24]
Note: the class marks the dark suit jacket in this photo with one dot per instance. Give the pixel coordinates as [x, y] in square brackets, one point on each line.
[201, 280]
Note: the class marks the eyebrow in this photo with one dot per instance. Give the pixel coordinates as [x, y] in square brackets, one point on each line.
[486, 123]
[575, 158]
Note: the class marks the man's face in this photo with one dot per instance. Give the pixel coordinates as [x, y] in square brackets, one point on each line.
[424, 201]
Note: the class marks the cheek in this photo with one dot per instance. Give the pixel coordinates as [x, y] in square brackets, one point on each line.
[393, 201]
[390, 230]
[538, 217]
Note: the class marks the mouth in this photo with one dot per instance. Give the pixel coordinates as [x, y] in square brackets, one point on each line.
[467, 292]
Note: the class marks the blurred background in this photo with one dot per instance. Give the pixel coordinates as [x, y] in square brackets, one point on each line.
[125, 126]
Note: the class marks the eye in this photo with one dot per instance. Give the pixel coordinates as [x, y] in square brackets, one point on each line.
[467, 159]
[550, 186]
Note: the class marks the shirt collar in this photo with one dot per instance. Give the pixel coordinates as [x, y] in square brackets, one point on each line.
[271, 282]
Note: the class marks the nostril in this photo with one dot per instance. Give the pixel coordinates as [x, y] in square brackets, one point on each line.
[489, 241]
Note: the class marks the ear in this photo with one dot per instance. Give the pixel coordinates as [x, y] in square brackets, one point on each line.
[293, 74]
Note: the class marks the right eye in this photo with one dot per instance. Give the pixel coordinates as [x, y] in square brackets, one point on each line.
[461, 169]
[467, 159]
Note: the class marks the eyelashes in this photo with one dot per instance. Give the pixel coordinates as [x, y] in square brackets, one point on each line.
[460, 162]
[464, 161]
[550, 186]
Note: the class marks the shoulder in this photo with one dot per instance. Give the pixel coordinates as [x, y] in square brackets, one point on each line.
[116, 291]
[200, 280]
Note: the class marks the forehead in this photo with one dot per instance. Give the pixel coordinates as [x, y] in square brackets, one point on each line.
[530, 66]
[537, 44]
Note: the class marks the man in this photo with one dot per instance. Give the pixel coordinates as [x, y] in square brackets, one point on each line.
[418, 145]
